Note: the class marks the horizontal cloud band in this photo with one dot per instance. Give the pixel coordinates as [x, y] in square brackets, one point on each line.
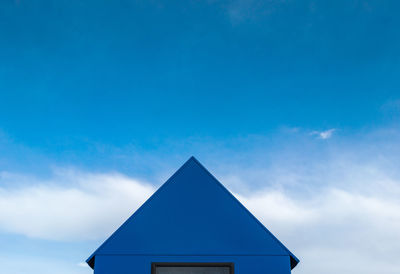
[347, 225]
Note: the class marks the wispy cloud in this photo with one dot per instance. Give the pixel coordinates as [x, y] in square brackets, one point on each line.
[70, 206]
[326, 134]
[83, 264]
[334, 226]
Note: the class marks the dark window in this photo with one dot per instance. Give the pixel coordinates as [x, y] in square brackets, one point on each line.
[192, 268]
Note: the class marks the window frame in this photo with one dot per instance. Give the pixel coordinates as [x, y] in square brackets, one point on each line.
[154, 265]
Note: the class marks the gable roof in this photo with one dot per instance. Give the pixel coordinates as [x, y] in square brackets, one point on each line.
[192, 213]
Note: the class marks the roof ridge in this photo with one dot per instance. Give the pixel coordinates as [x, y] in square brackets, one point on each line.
[90, 260]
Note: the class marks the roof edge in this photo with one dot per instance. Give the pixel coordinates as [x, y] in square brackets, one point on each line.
[293, 259]
[90, 260]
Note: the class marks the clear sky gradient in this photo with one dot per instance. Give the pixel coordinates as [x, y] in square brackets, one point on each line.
[285, 101]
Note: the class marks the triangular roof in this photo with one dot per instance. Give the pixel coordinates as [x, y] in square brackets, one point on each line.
[192, 214]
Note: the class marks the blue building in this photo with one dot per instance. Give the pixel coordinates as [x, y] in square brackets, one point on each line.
[192, 225]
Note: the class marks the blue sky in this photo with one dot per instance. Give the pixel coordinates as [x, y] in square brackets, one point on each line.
[293, 105]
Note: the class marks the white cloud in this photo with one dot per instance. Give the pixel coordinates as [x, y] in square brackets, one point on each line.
[87, 206]
[324, 134]
[23, 264]
[83, 264]
[333, 219]
[346, 226]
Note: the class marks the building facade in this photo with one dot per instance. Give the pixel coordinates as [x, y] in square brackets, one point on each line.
[192, 225]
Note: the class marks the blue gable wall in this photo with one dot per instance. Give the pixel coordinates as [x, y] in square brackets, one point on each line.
[192, 217]
[138, 264]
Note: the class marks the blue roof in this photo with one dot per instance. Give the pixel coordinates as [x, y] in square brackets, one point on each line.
[192, 214]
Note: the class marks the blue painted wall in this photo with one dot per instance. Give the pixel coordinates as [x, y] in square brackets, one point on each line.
[192, 218]
[142, 264]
